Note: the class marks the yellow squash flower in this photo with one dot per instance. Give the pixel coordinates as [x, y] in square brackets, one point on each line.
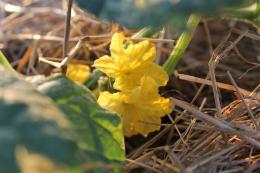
[141, 109]
[129, 64]
[78, 72]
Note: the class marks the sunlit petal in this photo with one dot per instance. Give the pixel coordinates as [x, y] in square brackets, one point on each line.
[140, 109]
[78, 72]
[110, 101]
[117, 46]
[157, 73]
[140, 53]
[107, 65]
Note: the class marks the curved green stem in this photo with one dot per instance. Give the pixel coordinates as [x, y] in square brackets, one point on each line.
[182, 44]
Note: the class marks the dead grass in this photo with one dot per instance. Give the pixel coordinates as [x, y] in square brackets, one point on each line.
[215, 126]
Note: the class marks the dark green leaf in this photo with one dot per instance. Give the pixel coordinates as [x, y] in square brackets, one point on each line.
[30, 120]
[92, 81]
[98, 132]
[140, 13]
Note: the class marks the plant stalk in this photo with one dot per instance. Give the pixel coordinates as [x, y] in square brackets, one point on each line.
[5, 63]
[67, 29]
[182, 44]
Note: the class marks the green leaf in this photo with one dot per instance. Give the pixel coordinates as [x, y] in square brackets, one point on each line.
[136, 13]
[98, 132]
[92, 81]
[30, 120]
[4, 62]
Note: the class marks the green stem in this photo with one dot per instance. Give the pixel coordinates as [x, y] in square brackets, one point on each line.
[5, 62]
[182, 44]
[147, 31]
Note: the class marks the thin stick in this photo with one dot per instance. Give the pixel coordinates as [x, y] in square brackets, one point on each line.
[67, 29]
[208, 159]
[206, 27]
[174, 159]
[249, 35]
[25, 59]
[208, 82]
[243, 100]
[221, 125]
[33, 58]
[72, 53]
[212, 66]
[67, 59]
[143, 165]
[136, 153]
[90, 38]
[255, 90]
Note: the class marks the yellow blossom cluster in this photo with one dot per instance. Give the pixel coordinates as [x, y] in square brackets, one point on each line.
[137, 79]
[78, 72]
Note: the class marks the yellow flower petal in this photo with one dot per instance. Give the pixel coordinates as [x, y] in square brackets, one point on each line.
[129, 80]
[141, 52]
[112, 102]
[78, 72]
[146, 92]
[157, 73]
[148, 124]
[107, 65]
[140, 109]
[129, 65]
[117, 46]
